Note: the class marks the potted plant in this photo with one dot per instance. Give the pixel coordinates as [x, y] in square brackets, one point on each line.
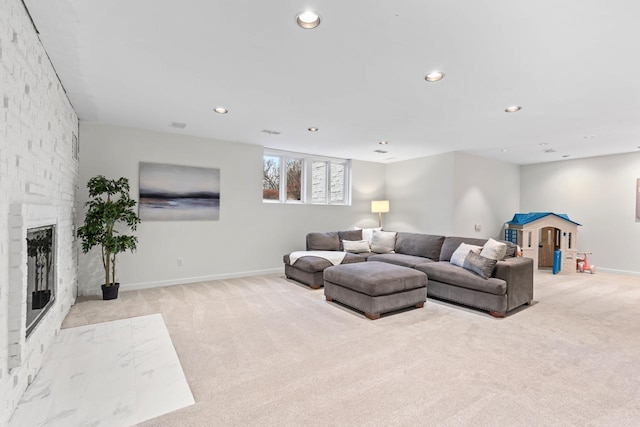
[109, 206]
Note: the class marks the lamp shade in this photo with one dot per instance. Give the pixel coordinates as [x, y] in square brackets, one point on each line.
[379, 206]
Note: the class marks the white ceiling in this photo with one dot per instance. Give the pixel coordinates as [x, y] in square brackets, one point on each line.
[573, 65]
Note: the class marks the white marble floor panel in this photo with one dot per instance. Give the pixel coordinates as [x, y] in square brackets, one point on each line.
[107, 374]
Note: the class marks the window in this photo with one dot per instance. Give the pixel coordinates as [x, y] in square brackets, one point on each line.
[299, 178]
[271, 178]
[294, 179]
[318, 182]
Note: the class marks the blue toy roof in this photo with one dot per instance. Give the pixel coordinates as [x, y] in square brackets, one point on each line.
[526, 218]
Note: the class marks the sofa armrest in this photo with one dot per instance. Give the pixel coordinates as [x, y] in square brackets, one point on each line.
[518, 273]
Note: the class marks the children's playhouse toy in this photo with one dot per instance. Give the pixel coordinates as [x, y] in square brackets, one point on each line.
[541, 234]
[582, 263]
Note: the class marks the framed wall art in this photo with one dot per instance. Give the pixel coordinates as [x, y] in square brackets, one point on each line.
[178, 193]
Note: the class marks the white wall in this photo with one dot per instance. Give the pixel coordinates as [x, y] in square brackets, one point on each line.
[598, 193]
[420, 194]
[38, 182]
[251, 236]
[486, 192]
[449, 193]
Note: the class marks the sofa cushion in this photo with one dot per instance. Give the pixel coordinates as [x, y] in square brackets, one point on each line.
[375, 278]
[451, 244]
[313, 264]
[399, 259]
[422, 245]
[383, 242]
[446, 272]
[479, 264]
[352, 235]
[512, 248]
[323, 241]
[367, 233]
[461, 253]
[494, 250]
[356, 246]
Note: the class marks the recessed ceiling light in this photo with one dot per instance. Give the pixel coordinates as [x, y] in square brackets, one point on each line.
[434, 76]
[589, 137]
[221, 110]
[513, 108]
[383, 142]
[543, 144]
[312, 129]
[504, 150]
[308, 19]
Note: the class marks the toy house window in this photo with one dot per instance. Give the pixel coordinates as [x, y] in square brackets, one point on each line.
[530, 235]
[569, 241]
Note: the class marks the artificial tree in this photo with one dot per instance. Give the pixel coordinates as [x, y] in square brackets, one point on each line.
[109, 206]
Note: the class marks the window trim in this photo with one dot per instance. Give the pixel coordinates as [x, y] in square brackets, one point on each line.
[306, 181]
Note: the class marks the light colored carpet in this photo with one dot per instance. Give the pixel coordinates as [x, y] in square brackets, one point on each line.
[265, 351]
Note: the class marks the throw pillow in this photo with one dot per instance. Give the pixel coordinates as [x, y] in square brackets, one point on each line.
[479, 265]
[494, 250]
[356, 246]
[383, 242]
[367, 233]
[461, 253]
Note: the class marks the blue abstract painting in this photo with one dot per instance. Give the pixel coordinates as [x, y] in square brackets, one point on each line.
[178, 193]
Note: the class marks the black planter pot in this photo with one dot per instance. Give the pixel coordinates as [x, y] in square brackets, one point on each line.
[40, 298]
[110, 292]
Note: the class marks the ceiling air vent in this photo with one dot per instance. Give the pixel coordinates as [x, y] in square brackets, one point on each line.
[178, 125]
[271, 132]
[549, 150]
[380, 151]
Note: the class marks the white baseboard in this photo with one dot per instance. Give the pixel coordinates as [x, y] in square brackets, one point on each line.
[186, 280]
[622, 272]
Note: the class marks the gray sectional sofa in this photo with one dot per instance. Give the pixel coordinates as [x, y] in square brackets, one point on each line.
[509, 286]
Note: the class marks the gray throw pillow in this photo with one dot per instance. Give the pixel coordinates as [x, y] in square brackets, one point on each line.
[383, 242]
[479, 265]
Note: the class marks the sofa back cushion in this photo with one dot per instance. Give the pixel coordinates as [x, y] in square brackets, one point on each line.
[424, 245]
[323, 241]
[512, 248]
[451, 243]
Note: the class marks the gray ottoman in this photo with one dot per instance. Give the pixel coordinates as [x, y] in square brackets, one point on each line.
[375, 287]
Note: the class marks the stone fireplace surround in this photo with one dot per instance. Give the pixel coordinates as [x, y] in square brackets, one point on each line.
[21, 218]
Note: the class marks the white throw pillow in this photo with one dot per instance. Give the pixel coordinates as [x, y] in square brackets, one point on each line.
[494, 250]
[458, 257]
[356, 246]
[383, 242]
[367, 233]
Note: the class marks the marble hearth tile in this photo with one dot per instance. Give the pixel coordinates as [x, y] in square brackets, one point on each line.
[108, 374]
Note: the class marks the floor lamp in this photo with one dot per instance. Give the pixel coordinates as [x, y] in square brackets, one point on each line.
[379, 207]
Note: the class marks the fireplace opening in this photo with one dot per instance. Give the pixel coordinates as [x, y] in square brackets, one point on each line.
[41, 273]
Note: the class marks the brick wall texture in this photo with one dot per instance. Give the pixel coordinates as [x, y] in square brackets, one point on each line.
[38, 179]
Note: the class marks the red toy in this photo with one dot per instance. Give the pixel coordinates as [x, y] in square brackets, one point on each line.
[582, 264]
